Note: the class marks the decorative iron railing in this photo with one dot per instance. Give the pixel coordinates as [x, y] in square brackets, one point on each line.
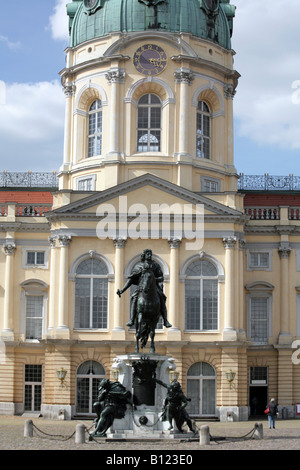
[28, 179]
[268, 182]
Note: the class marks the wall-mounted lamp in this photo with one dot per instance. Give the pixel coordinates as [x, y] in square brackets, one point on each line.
[173, 375]
[61, 375]
[230, 375]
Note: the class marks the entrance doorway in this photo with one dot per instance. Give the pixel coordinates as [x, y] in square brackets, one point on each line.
[201, 389]
[89, 375]
[33, 388]
[258, 400]
[258, 393]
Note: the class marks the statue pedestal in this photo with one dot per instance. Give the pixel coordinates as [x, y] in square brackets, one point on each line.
[135, 373]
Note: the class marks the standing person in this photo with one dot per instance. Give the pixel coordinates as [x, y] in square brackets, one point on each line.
[273, 411]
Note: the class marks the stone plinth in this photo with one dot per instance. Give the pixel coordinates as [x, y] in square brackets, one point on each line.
[143, 420]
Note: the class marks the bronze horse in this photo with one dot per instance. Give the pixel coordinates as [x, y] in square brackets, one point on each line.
[148, 310]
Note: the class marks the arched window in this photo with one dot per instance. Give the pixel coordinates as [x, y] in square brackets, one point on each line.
[95, 129]
[203, 134]
[89, 374]
[201, 389]
[149, 124]
[201, 296]
[91, 294]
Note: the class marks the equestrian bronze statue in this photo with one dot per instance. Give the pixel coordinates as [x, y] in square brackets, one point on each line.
[148, 302]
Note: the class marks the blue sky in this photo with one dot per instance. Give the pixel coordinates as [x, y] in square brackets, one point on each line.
[33, 36]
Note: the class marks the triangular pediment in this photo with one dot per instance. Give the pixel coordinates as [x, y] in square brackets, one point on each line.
[147, 190]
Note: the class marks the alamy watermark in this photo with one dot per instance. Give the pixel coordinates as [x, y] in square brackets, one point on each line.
[162, 221]
[296, 93]
[2, 93]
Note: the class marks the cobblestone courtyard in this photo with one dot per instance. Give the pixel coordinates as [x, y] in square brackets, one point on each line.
[60, 435]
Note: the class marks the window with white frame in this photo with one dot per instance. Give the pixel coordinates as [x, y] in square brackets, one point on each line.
[85, 183]
[203, 131]
[34, 297]
[149, 124]
[210, 185]
[259, 260]
[91, 295]
[201, 296]
[95, 129]
[35, 258]
[34, 316]
[259, 312]
[259, 319]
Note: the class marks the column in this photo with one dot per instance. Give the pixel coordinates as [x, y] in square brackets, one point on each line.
[69, 91]
[242, 319]
[185, 78]
[52, 287]
[64, 241]
[284, 253]
[114, 77]
[118, 331]
[229, 333]
[174, 332]
[9, 250]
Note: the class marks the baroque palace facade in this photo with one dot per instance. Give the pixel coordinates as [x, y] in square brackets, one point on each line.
[149, 88]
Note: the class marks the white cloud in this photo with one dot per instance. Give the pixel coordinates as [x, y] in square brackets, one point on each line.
[265, 40]
[31, 126]
[58, 21]
[10, 44]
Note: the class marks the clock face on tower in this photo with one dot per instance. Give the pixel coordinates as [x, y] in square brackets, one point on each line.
[150, 59]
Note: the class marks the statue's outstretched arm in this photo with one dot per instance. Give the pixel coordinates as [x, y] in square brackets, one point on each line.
[127, 285]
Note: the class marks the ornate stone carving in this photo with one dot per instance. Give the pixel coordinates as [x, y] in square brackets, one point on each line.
[174, 242]
[284, 251]
[64, 240]
[229, 242]
[9, 248]
[229, 91]
[52, 242]
[184, 77]
[69, 90]
[115, 76]
[119, 242]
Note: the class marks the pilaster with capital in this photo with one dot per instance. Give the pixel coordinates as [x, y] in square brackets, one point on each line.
[118, 321]
[9, 249]
[64, 242]
[229, 332]
[284, 251]
[69, 90]
[174, 331]
[52, 285]
[184, 78]
[114, 78]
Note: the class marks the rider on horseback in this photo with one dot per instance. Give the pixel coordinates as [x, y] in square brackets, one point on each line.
[146, 263]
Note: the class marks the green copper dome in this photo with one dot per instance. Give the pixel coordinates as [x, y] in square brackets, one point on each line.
[208, 19]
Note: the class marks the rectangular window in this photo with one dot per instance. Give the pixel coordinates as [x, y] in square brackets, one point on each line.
[201, 298]
[259, 322]
[85, 185]
[34, 316]
[259, 260]
[35, 258]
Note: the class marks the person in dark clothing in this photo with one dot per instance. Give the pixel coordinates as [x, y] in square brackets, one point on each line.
[273, 412]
